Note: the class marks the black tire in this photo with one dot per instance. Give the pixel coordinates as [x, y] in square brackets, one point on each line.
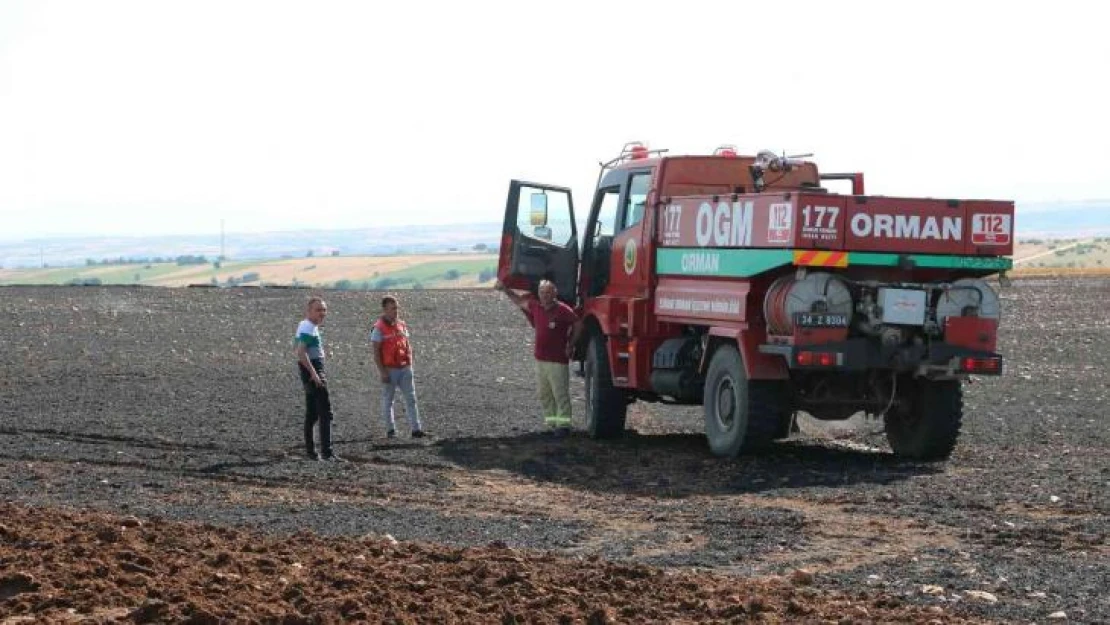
[740, 415]
[605, 405]
[927, 424]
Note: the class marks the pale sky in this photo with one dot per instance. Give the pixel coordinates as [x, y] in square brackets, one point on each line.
[152, 117]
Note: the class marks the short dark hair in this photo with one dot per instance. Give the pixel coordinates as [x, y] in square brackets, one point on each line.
[313, 300]
[387, 300]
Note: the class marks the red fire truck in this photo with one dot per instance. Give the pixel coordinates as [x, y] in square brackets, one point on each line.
[743, 284]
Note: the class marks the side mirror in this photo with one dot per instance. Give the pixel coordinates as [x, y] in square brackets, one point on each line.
[539, 209]
[542, 232]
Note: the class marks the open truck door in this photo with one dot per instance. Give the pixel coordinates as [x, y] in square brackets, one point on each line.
[539, 239]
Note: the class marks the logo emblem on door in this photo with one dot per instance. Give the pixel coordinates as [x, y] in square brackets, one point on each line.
[630, 256]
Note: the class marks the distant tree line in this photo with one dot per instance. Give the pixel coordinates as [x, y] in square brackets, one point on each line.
[185, 259]
[246, 278]
[145, 260]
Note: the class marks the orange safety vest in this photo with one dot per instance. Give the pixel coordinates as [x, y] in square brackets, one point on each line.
[396, 353]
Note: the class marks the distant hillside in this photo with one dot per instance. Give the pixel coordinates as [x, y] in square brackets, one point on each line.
[76, 251]
[1088, 218]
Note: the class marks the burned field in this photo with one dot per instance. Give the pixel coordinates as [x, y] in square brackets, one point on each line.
[150, 453]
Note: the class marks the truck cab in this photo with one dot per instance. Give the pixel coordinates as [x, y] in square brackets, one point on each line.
[742, 284]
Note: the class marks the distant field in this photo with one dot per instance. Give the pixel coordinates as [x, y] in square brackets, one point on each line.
[365, 272]
[451, 273]
[1089, 254]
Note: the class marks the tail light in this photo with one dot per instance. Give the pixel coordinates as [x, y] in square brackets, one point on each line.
[992, 364]
[819, 359]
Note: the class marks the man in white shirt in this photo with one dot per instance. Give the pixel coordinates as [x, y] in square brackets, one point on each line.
[309, 350]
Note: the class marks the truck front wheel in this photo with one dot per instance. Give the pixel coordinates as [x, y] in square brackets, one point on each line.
[605, 405]
[927, 422]
[740, 415]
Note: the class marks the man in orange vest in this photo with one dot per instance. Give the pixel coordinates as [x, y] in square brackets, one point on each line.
[393, 355]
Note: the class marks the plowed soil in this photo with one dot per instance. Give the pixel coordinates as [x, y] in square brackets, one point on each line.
[151, 471]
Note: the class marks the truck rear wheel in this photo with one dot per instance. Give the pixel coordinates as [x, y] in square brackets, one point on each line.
[605, 405]
[927, 424]
[740, 415]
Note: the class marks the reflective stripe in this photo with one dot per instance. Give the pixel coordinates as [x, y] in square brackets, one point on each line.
[816, 258]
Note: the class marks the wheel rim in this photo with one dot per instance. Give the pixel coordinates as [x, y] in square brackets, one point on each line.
[908, 418]
[724, 399]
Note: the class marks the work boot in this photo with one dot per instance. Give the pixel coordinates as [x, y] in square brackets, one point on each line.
[312, 455]
[391, 434]
[418, 434]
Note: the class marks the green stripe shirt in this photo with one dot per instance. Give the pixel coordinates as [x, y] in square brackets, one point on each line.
[308, 334]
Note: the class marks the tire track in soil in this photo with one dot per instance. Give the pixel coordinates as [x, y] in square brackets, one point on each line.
[834, 540]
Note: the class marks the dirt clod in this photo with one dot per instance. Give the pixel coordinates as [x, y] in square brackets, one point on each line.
[15, 584]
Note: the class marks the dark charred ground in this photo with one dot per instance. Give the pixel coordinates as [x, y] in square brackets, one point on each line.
[182, 405]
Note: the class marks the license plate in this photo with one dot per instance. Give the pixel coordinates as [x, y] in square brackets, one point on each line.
[820, 320]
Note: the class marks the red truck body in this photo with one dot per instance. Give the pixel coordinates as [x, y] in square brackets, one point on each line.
[806, 299]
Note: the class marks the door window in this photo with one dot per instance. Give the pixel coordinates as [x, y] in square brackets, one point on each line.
[545, 214]
[638, 187]
[607, 213]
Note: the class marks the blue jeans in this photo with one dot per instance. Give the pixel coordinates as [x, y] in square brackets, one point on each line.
[403, 379]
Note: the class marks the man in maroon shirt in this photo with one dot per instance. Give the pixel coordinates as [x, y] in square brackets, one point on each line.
[557, 332]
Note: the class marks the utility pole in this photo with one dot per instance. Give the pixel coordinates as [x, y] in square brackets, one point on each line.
[42, 259]
[222, 256]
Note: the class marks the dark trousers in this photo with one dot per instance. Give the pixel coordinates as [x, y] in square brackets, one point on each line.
[317, 409]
